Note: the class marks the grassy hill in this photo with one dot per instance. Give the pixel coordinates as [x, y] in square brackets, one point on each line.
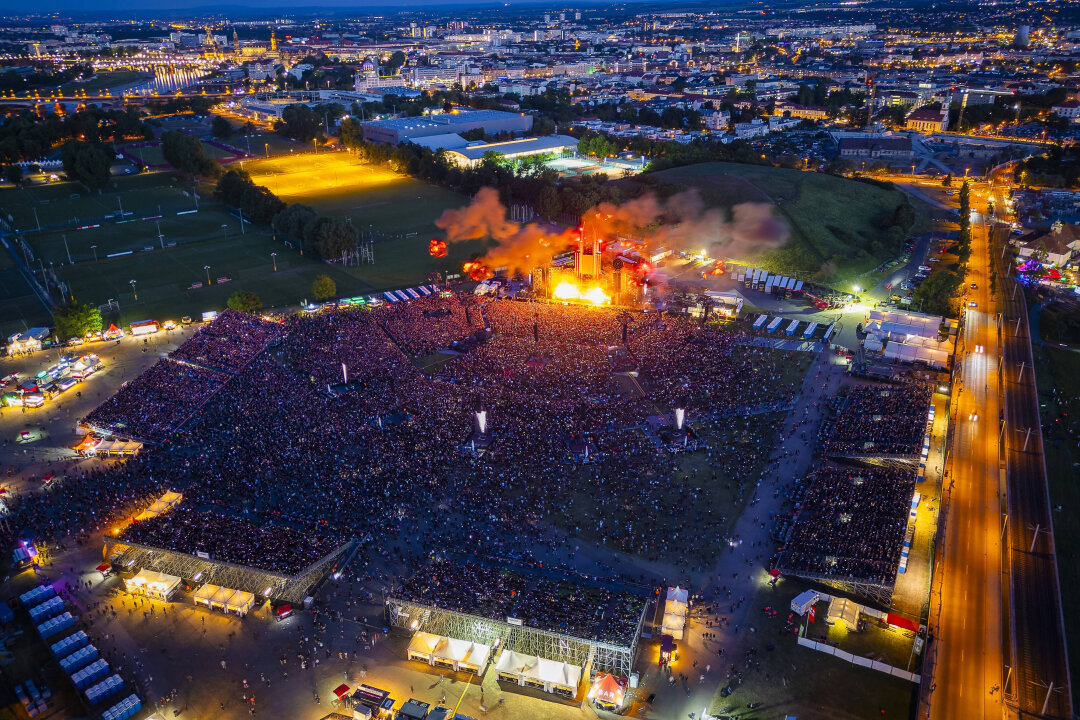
[839, 227]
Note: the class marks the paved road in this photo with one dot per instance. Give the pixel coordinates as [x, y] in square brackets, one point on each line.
[966, 618]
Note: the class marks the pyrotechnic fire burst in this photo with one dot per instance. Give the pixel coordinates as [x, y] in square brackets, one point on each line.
[437, 248]
[570, 291]
[477, 271]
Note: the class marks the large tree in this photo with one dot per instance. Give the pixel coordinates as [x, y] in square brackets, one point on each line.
[333, 237]
[76, 320]
[186, 154]
[220, 127]
[87, 163]
[244, 301]
[323, 288]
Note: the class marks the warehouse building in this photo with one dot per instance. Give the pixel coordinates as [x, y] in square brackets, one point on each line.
[395, 131]
[473, 154]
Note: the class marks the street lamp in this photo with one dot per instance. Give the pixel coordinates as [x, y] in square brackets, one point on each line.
[857, 289]
[132, 283]
[273, 257]
[225, 230]
[266, 149]
[94, 248]
[207, 269]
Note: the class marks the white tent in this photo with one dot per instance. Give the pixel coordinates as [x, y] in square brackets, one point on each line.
[675, 611]
[148, 583]
[844, 610]
[540, 673]
[204, 594]
[221, 598]
[240, 603]
[439, 651]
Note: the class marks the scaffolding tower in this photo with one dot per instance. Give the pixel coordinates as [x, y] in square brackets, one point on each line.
[127, 555]
[875, 592]
[590, 655]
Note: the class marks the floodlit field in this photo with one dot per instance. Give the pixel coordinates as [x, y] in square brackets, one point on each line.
[398, 211]
[338, 185]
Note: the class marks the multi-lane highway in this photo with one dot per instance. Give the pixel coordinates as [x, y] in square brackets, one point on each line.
[996, 608]
[966, 610]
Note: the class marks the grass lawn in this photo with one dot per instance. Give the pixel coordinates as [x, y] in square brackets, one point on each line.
[22, 308]
[65, 205]
[833, 220]
[399, 212]
[163, 277]
[266, 143]
[1059, 370]
[811, 685]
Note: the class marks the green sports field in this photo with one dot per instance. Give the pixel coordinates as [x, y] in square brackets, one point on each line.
[833, 220]
[398, 211]
[164, 278]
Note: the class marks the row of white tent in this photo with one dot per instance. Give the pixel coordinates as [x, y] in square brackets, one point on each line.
[408, 294]
[162, 505]
[216, 597]
[447, 652]
[155, 585]
[773, 325]
[550, 676]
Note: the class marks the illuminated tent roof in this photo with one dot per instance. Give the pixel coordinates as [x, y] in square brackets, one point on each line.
[607, 689]
[154, 581]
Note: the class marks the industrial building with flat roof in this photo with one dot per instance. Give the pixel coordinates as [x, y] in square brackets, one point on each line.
[513, 149]
[394, 131]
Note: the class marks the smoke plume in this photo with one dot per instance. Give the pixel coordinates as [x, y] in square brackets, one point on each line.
[679, 223]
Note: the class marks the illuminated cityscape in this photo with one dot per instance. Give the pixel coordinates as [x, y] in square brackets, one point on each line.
[504, 361]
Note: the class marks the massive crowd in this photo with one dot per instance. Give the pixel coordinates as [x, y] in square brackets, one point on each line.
[388, 459]
[850, 524]
[549, 604]
[155, 404]
[226, 538]
[879, 420]
[229, 342]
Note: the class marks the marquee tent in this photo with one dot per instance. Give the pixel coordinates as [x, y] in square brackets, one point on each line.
[675, 610]
[205, 593]
[240, 603]
[221, 598]
[148, 583]
[551, 676]
[844, 610]
[460, 655]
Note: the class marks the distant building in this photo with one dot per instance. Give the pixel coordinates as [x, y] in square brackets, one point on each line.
[1059, 242]
[717, 120]
[397, 130]
[928, 119]
[513, 149]
[880, 148]
[1069, 109]
[808, 112]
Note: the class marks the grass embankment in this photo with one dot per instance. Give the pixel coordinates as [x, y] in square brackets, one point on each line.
[836, 224]
[1058, 376]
